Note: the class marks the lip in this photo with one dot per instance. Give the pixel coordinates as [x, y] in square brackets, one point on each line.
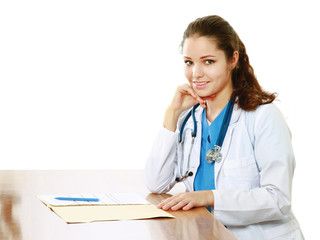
[200, 84]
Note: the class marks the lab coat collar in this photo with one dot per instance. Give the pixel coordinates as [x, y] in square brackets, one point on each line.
[235, 114]
[234, 117]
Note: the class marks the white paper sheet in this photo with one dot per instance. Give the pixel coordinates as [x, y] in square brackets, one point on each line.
[129, 198]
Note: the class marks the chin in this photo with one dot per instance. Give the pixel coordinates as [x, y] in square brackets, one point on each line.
[204, 93]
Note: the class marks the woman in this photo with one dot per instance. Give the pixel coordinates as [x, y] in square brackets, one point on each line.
[239, 161]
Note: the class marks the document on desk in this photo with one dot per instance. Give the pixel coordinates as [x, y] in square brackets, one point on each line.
[115, 206]
[129, 198]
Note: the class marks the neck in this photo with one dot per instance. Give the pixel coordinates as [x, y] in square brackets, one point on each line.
[215, 106]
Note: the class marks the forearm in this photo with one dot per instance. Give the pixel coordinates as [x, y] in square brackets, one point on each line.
[171, 117]
[238, 208]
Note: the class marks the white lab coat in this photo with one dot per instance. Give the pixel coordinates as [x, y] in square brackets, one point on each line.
[253, 180]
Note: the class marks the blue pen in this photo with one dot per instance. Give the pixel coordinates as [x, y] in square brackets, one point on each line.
[78, 199]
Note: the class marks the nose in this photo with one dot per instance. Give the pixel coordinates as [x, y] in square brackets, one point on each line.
[197, 72]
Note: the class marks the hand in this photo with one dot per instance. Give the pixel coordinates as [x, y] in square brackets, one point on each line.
[188, 200]
[184, 98]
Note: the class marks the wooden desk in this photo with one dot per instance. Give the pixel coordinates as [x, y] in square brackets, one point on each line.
[23, 216]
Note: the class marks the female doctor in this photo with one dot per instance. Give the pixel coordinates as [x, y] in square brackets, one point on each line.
[225, 139]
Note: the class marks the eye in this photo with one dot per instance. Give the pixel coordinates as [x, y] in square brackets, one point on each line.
[188, 62]
[209, 61]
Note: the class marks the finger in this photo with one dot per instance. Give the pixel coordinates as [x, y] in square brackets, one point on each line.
[199, 99]
[170, 202]
[180, 205]
[208, 98]
[164, 202]
[188, 90]
[188, 206]
[203, 103]
[196, 96]
[161, 204]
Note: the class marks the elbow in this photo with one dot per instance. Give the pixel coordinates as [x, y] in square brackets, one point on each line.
[155, 185]
[156, 190]
[282, 203]
[152, 184]
[285, 209]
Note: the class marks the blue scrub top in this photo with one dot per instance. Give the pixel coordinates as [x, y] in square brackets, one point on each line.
[204, 179]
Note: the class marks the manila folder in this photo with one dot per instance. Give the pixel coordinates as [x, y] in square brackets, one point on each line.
[80, 214]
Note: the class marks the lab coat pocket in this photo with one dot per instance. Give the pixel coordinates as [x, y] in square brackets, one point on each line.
[235, 175]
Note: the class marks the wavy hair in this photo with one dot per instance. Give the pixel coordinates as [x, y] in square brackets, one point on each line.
[247, 93]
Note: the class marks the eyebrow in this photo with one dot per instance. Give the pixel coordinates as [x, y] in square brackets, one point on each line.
[206, 56]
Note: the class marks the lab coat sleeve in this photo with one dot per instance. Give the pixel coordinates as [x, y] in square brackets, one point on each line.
[160, 170]
[275, 161]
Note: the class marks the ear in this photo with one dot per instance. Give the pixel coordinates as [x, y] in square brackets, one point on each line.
[234, 60]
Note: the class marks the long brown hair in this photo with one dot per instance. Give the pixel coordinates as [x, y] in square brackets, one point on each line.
[247, 93]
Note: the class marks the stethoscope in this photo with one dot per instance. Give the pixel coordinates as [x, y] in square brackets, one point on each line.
[213, 155]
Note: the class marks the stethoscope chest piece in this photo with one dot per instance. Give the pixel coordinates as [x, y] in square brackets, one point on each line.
[214, 155]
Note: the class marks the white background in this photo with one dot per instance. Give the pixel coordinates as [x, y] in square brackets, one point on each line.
[84, 84]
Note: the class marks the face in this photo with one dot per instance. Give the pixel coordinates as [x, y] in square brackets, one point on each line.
[206, 67]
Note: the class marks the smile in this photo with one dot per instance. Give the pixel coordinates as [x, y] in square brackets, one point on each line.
[200, 84]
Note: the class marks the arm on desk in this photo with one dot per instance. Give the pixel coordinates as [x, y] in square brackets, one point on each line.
[188, 200]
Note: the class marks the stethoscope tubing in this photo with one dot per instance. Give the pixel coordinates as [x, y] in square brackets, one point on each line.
[221, 136]
[192, 112]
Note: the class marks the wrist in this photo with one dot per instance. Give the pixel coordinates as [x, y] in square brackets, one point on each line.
[171, 118]
[210, 198]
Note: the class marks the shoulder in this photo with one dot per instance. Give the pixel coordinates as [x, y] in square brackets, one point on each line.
[265, 110]
[265, 113]
[267, 119]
